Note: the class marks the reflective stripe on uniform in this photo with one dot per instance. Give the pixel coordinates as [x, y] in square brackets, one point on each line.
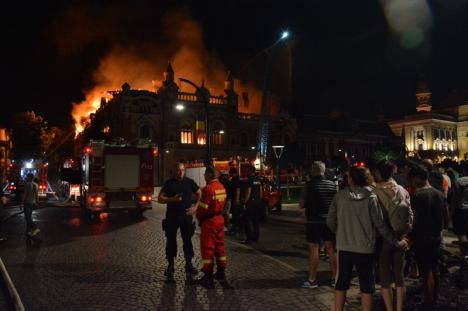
[207, 261]
[222, 258]
[203, 205]
[219, 197]
[220, 191]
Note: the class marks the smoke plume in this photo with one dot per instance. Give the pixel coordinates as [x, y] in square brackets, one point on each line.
[141, 61]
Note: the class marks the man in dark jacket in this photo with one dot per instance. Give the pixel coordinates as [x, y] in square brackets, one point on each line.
[316, 200]
[429, 209]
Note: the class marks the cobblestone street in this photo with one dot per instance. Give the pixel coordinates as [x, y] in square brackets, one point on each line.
[118, 264]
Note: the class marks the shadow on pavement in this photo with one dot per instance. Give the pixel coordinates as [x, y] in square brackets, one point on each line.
[59, 226]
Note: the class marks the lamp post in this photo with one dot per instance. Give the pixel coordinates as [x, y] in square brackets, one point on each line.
[207, 119]
[278, 149]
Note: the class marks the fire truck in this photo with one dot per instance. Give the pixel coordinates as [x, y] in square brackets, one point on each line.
[17, 173]
[117, 177]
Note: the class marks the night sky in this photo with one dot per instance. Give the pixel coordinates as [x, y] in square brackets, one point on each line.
[346, 55]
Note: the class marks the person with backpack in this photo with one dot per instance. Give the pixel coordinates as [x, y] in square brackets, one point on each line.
[396, 208]
[355, 217]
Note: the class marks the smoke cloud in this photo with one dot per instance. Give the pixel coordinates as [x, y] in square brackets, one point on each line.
[141, 60]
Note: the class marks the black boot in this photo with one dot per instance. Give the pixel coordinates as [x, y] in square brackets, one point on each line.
[207, 280]
[220, 275]
[189, 268]
[169, 270]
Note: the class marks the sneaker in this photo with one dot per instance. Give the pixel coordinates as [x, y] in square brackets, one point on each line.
[332, 283]
[35, 232]
[169, 270]
[246, 242]
[2, 238]
[310, 284]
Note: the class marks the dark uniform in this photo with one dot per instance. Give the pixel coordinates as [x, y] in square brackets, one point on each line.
[252, 209]
[232, 187]
[176, 217]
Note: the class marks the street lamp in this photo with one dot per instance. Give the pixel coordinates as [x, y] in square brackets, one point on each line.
[265, 110]
[278, 149]
[179, 107]
[207, 119]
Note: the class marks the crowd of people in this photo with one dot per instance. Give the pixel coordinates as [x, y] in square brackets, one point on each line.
[378, 221]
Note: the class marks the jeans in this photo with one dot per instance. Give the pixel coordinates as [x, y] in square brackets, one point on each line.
[28, 209]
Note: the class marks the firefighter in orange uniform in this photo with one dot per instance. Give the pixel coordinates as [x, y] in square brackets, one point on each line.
[211, 221]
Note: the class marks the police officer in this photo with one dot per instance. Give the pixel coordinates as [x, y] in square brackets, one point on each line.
[177, 193]
[252, 198]
[211, 220]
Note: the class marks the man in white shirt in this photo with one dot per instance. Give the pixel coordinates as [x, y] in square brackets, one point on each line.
[30, 199]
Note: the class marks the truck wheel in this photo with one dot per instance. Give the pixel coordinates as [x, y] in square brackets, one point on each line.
[136, 213]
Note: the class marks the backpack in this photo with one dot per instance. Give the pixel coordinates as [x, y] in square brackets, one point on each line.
[401, 217]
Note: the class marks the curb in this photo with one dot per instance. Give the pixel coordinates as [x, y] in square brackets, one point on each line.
[291, 220]
[14, 296]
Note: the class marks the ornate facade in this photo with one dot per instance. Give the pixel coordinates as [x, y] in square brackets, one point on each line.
[442, 131]
[174, 120]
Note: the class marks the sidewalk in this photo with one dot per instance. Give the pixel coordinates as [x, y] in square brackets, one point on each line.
[451, 297]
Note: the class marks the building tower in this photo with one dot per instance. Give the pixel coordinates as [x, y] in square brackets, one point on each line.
[423, 98]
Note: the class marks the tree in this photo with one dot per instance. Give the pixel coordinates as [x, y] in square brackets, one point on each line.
[27, 128]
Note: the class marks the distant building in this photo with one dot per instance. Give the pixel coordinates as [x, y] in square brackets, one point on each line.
[336, 137]
[5, 153]
[438, 133]
[174, 120]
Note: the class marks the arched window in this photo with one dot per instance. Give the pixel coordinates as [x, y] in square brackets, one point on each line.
[186, 134]
[145, 131]
[244, 141]
[218, 134]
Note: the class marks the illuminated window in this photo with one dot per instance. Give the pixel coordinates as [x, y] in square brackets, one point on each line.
[201, 135]
[186, 134]
[218, 134]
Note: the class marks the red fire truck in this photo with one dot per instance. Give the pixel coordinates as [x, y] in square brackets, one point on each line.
[17, 173]
[117, 177]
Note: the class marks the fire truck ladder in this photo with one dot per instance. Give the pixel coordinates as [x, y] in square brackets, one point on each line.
[264, 113]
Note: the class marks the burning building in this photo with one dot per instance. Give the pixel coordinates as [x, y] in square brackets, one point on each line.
[174, 120]
[5, 153]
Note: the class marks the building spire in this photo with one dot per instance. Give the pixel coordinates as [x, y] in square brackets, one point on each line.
[423, 97]
[229, 83]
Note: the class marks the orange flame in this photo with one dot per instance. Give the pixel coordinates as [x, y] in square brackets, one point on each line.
[143, 66]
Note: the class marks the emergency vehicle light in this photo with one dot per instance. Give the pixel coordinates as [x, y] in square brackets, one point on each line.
[88, 150]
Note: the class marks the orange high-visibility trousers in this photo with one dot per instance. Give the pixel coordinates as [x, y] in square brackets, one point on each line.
[212, 243]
